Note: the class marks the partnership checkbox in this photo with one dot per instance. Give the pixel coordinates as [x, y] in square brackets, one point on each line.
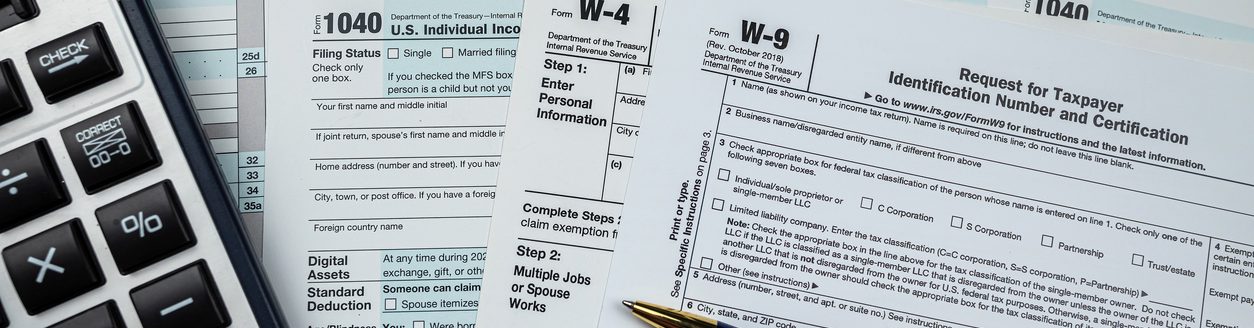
[1138, 260]
[717, 204]
[724, 174]
[1047, 241]
[394, 53]
[707, 263]
[389, 304]
[956, 221]
[447, 52]
[867, 202]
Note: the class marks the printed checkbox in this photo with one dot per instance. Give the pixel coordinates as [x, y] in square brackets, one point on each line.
[867, 202]
[1138, 260]
[447, 52]
[1047, 240]
[389, 304]
[394, 53]
[717, 204]
[724, 174]
[707, 263]
[956, 221]
[420, 324]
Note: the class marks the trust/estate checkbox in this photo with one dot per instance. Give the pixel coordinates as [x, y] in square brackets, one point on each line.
[447, 52]
[724, 174]
[867, 202]
[707, 263]
[389, 304]
[420, 324]
[1138, 260]
[1047, 240]
[394, 53]
[956, 221]
[717, 204]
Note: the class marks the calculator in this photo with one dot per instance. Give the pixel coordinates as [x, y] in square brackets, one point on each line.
[112, 211]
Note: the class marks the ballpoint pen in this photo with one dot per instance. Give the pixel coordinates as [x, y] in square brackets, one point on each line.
[663, 317]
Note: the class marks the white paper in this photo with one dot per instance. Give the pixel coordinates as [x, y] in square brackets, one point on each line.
[830, 193]
[384, 127]
[550, 270]
[1219, 19]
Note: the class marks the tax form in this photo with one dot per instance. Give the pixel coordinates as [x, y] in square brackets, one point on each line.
[217, 47]
[889, 163]
[384, 125]
[583, 69]
[1219, 19]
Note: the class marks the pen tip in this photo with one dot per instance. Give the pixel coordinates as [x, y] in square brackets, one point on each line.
[629, 304]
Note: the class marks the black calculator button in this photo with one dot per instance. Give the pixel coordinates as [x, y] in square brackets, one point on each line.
[104, 315]
[30, 185]
[145, 227]
[186, 298]
[110, 147]
[4, 321]
[13, 102]
[74, 63]
[52, 267]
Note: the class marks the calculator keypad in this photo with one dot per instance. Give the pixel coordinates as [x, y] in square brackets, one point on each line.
[53, 267]
[30, 185]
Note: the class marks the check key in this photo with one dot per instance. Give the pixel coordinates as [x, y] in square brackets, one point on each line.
[74, 63]
[53, 267]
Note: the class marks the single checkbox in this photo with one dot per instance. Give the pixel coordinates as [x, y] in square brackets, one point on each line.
[1138, 260]
[956, 222]
[420, 324]
[867, 202]
[447, 52]
[389, 304]
[717, 204]
[724, 174]
[394, 53]
[1047, 240]
[707, 263]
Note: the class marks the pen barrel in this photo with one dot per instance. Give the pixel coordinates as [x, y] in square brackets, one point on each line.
[663, 317]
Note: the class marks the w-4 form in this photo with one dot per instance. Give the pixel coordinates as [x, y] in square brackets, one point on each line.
[887, 163]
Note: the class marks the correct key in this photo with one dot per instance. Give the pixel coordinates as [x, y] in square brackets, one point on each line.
[110, 147]
[73, 63]
[187, 298]
[30, 185]
[53, 267]
[145, 227]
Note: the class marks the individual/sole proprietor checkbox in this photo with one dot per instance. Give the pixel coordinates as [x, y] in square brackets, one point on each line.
[867, 202]
[1138, 260]
[420, 324]
[707, 263]
[717, 204]
[1047, 241]
[394, 53]
[447, 52]
[724, 174]
[956, 221]
[389, 304]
